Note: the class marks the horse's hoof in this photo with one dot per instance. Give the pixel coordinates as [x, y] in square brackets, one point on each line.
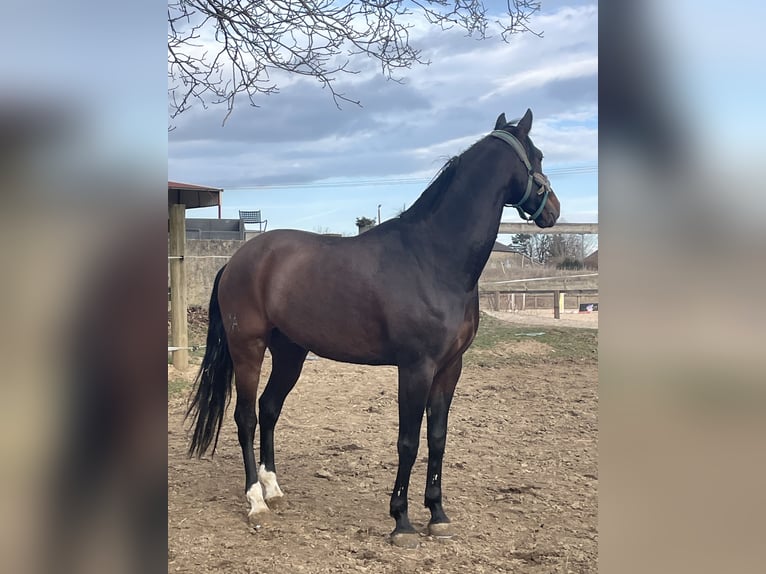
[259, 519]
[442, 530]
[405, 539]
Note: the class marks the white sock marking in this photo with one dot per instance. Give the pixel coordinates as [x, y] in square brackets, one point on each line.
[255, 497]
[268, 481]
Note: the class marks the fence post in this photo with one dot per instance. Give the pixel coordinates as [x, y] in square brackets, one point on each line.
[178, 328]
[557, 304]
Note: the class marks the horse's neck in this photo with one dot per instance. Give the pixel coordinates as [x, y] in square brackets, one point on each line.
[459, 234]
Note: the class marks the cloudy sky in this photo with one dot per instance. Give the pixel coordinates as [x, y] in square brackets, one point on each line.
[308, 165]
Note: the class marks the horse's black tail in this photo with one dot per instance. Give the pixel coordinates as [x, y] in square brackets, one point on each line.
[213, 383]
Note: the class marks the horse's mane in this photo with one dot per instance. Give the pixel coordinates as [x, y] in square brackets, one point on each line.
[430, 198]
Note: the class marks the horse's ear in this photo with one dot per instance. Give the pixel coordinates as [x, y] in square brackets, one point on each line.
[525, 123]
[500, 123]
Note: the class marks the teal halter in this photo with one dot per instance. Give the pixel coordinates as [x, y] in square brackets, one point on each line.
[544, 186]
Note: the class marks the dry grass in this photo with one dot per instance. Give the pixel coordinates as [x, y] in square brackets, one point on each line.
[560, 279]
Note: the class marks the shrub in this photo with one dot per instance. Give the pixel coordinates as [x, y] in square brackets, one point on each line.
[570, 263]
[365, 222]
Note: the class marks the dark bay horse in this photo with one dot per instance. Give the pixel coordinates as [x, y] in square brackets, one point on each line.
[404, 293]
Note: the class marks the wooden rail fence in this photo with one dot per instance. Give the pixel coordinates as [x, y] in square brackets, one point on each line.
[517, 299]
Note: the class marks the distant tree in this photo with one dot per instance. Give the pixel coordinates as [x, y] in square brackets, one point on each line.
[560, 247]
[534, 245]
[553, 249]
[568, 247]
[221, 49]
[542, 248]
[522, 243]
[365, 222]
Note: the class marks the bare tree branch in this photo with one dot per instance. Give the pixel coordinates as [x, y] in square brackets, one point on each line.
[222, 50]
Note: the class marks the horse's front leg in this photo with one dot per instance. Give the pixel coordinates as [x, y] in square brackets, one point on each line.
[439, 400]
[414, 384]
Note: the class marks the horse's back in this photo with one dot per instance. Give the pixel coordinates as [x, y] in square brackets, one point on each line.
[362, 299]
[313, 288]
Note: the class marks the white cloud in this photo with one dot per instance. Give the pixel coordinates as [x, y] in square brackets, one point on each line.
[541, 76]
[407, 129]
[566, 144]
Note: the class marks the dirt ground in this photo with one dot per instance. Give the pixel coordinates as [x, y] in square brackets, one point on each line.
[520, 473]
[569, 318]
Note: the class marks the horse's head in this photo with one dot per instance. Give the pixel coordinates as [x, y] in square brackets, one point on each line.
[529, 191]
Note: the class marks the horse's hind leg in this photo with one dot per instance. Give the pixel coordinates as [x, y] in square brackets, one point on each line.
[248, 358]
[439, 400]
[287, 362]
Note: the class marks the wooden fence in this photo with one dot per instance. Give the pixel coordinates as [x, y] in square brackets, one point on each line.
[524, 299]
